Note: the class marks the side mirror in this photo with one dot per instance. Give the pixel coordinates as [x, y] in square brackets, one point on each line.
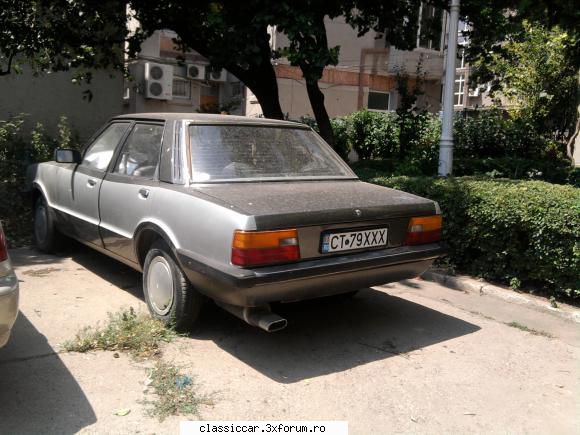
[65, 155]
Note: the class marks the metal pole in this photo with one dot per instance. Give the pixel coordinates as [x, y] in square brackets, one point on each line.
[446, 143]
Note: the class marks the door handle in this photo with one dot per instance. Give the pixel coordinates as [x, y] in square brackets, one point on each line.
[144, 193]
[91, 182]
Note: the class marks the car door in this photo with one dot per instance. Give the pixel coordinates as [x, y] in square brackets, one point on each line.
[79, 187]
[129, 187]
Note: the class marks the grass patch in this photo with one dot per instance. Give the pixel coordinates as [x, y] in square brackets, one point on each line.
[128, 331]
[524, 328]
[175, 392]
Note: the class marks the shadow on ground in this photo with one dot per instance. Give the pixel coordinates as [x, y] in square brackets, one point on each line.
[327, 336]
[323, 336]
[37, 392]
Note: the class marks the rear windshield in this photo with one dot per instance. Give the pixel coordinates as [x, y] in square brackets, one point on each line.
[234, 152]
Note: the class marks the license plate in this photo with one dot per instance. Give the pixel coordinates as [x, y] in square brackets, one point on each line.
[346, 241]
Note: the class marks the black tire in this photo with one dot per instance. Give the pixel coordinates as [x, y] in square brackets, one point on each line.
[46, 236]
[184, 308]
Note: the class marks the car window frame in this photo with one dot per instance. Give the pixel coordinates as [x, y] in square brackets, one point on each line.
[96, 137]
[189, 154]
[119, 150]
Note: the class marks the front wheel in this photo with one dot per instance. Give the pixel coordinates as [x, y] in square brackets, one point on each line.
[168, 294]
[46, 236]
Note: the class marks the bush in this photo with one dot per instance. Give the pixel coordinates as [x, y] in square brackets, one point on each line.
[505, 229]
[373, 134]
[340, 129]
[16, 154]
[554, 171]
[495, 133]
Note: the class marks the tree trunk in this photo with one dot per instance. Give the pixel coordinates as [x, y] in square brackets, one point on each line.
[261, 80]
[571, 145]
[316, 98]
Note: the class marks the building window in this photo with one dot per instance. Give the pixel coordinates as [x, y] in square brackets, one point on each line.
[181, 88]
[430, 27]
[378, 101]
[460, 61]
[459, 90]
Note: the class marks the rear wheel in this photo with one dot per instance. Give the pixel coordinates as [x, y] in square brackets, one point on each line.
[169, 295]
[46, 236]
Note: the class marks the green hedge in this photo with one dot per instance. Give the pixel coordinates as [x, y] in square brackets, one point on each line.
[554, 171]
[516, 232]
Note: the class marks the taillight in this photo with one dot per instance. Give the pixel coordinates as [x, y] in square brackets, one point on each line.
[258, 248]
[425, 229]
[3, 247]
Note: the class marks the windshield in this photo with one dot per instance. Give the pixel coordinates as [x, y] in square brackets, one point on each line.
[249, 152]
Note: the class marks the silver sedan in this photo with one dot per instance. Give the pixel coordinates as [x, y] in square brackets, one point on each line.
[246, 212]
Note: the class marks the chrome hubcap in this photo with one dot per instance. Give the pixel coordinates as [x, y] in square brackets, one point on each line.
[40, 223]
[160, 285]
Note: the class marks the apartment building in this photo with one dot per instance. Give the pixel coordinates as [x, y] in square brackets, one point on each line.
[365, 76]
[164, 79]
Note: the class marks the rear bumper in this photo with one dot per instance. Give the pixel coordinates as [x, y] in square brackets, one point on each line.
[8, 306]
[306, 279]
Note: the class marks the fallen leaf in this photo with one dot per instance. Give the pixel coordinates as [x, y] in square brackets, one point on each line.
[122, 412]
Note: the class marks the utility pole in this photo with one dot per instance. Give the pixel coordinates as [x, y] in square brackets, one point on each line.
[446, 143]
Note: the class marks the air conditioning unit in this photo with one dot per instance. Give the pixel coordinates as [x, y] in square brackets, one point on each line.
[158, 81]
[195, 72]
[215, 75]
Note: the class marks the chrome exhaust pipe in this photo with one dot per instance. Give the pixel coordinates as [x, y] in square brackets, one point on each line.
[261, 317]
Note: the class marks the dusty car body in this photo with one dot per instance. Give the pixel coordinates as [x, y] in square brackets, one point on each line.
[8, 292]
[244, 211]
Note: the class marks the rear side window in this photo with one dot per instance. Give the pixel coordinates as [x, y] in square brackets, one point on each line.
[140, 154]
[100, 152]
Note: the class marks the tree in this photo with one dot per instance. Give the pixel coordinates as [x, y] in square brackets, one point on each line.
[45, 35]
[230, 34]
[501, 29]
[235, 35]
[302, 21]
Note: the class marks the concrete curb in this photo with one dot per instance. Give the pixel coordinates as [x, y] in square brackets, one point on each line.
[482, 288]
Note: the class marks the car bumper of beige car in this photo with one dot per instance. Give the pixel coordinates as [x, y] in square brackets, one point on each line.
[8, 305]
[307, 279]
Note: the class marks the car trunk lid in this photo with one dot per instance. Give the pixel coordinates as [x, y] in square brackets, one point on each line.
[282, 204]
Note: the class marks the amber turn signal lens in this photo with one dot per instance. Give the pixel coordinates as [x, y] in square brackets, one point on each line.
[424, 229]
[260, 248]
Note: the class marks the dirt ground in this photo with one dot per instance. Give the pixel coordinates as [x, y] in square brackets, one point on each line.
[411, 357]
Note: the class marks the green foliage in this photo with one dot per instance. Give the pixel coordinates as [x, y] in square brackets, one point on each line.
[341, 140]
[127, 331]
[42, 145]
[487, 142]
[62, 35]
[373, 134]
[537, 72]
[16, 154]
[552, 170]
[501, 230]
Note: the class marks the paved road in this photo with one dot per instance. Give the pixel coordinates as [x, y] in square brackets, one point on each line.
[410, 357]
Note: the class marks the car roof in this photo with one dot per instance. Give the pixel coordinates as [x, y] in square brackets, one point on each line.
[210, 118]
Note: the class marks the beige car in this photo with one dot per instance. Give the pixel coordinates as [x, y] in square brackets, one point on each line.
[8, 292]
